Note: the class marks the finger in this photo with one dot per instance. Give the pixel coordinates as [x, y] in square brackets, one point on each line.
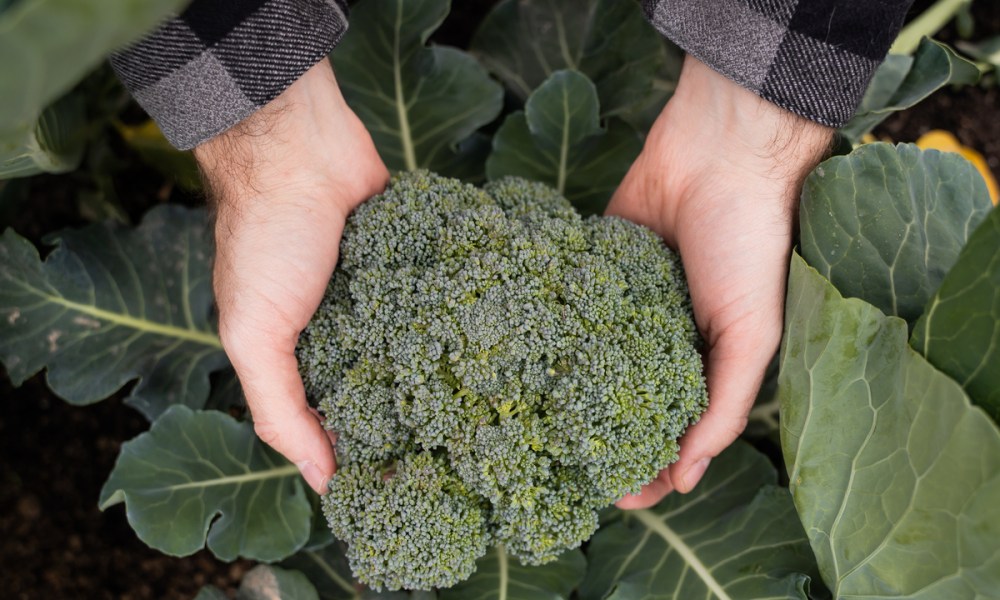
[734, 371]
[330, 434]
[283, 419]
[651, 493]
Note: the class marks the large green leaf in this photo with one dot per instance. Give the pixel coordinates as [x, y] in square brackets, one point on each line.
[886, 223]
[959, 332]
[419, 103]
[46, 46]
[200, 476]
[558, 140]
[901, 82]
[895, 475]
[500, 577]
[110, 305]
[54, 145]
[734, 536]
[523, 42]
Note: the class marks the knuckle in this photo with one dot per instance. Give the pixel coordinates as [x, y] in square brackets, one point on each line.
[736, 425]
[268, 434]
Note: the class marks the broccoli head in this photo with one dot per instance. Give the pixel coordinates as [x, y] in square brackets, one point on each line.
[498, 369]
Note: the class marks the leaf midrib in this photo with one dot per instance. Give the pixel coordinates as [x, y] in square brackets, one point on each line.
[502, 573]
[405, 137]
[272, 473]
[564, 147]
[332, 574]
[660, 528]
[193, 335]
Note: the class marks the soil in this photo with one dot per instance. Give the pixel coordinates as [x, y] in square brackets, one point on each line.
[55, 543]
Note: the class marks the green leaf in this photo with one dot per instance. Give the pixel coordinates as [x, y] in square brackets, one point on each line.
[902, 82]
[54, 145]
[265, 582]
[328, 570]
[419, 103]
[664, 83]
[500, 577]
[558, 140]
[895, 475]
[227, 393]
[959, 332]
[885, 223]
[734, 536]
[110, 305]
[202, 475]
[46, 46]
[523, 42]
[763, 420]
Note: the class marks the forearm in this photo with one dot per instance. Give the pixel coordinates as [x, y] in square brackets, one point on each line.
[811, 57]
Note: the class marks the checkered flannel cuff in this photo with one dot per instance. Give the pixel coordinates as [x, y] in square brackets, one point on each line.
[206, 70]
[812, 57]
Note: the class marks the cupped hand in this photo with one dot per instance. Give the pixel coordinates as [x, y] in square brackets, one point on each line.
[284, 181]
[718, 179]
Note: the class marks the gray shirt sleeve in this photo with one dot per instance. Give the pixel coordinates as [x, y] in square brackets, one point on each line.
[212, 66]
[811, 57]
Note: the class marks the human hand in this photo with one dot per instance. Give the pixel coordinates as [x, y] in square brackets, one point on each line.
[284, 181]
[718, 179]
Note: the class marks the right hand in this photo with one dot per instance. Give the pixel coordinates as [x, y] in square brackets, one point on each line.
[284, 181]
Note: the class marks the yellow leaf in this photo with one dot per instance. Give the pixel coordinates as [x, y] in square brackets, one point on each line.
[937, 139]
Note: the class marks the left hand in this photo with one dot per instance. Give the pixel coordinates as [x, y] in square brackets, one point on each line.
[718, 179]
[284, 181]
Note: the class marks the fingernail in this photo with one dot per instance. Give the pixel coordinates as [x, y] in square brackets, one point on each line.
[693, 475]
[313, 476]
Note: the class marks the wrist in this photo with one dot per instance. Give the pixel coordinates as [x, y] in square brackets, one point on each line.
[746, 125]
[306, 145]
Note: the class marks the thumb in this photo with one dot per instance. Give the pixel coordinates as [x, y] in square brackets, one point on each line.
[282, 417]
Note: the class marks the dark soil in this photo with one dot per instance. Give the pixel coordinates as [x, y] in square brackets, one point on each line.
[971, 114]
[55, 544]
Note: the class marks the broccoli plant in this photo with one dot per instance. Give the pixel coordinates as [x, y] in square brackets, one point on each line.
[497, 369]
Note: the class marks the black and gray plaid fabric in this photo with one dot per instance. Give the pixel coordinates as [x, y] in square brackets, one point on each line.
[207, 69]
[204, 71]
[812, 57]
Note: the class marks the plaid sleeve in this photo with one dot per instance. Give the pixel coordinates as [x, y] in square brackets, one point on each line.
[812, 57]
[212, 66]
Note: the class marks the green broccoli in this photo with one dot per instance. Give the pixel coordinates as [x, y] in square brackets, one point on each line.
[498, 369]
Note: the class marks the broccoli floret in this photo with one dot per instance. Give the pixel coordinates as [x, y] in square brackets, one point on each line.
[498, 369]
[417, 512]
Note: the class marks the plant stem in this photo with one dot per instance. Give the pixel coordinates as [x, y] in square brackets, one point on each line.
[927, 24]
